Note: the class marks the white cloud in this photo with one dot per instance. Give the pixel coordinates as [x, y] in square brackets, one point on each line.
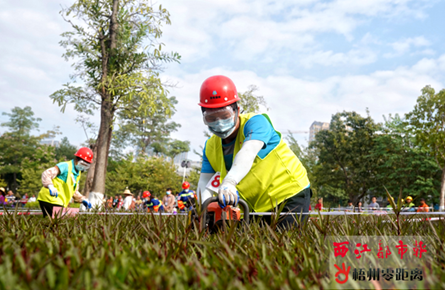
[258, 32]
[295, 103]
[250, 29]
[329, 58]
[406, 45]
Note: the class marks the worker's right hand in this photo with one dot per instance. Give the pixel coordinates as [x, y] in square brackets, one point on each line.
[227, 193]
[53, 191]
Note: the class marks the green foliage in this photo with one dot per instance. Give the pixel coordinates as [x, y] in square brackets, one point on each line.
[152, 252]
[145, 173]
[74, 205]
[115, 35]
[344, 163]
[250, 103]
[31, 168]
[427, 124]
[403, 166]
[21, 121]
[32, 205]
[193, 178]
[3, 183]
[117, 57]
[177, 147]
[17, 144]
[65, 151]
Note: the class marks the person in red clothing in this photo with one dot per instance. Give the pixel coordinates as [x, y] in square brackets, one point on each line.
[319, 205]
[2, 197]
[423, 207]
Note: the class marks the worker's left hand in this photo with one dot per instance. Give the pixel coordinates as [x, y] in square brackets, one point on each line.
[86, 203]
[227, 193]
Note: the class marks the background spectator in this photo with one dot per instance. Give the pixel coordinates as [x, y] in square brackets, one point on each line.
[32, 198]
[24, 200]
[138, 203]
[423, 207]
[374, 204]
[2, 197]
[350, 206]
[128, 201]
[359, 206]
[169, 201]
[319, 205]
[110, 203]
[11, 198]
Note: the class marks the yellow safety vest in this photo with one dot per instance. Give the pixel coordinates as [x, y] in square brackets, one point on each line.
[65, 189]
[271, 180]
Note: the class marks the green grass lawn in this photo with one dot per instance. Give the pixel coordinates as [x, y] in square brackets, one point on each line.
[152, 252]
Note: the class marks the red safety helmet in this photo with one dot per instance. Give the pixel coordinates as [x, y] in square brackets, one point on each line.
[185, 185]
[217, 92]
[85, 154]
[146, 194]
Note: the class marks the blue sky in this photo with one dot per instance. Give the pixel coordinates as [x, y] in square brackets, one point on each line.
[309, 58]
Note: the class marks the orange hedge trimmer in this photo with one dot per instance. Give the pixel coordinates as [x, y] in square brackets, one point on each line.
[213, 216]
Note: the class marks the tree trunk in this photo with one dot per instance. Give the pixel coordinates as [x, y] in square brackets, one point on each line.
[100, 171]
[106, 109]
[90, 174]
[442, 191]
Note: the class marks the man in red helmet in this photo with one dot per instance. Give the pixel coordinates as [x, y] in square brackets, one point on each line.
[246, 157]
[186, 197]
[61, 182]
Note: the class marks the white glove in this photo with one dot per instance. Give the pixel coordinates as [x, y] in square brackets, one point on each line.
[53, 191]
[227, 193]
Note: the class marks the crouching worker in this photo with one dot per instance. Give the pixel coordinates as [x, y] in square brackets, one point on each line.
[251, 157]
[153, 204]
[61, 182]
[186, 197]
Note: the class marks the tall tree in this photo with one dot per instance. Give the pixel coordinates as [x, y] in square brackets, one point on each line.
[404, 167]
[114, 64]
[344, 154]
[427, 123]
[333, 194]
[152, 173]
[65, 151]
[17, 143]
[146, 132]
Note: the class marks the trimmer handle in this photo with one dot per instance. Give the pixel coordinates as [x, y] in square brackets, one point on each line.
[215, 199]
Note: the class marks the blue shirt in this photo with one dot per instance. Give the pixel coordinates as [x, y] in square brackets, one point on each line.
[154, 202]
[63, 175]
[186, 196]
[256, 128]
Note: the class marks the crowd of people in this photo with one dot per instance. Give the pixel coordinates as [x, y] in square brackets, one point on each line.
[407, 205]
[170, 203]
[14, 200]
[185, 200]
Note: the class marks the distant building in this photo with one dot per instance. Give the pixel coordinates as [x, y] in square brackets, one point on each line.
[317, 127]
[53, 143]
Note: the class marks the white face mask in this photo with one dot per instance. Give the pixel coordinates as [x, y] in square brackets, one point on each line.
[221, 122]
[82, 166]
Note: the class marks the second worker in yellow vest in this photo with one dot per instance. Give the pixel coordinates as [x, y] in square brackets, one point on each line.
[250, 156]
[61, 182]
